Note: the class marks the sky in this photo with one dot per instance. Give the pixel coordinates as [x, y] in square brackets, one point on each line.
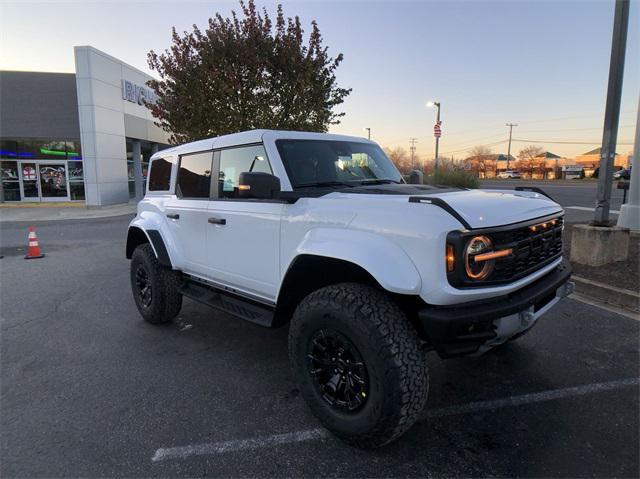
[540, 64]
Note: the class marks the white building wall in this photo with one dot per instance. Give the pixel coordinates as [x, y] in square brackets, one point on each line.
[102, 110]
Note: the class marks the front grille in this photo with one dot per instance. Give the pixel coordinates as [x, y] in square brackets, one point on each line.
[534, 244]
[531, 249]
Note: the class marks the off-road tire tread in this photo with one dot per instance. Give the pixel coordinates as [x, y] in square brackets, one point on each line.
[397, 344]
[166, 302]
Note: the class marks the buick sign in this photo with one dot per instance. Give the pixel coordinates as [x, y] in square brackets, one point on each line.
[137, 94]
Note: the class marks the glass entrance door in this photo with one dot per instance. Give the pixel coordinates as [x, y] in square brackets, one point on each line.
[53, 181]
[30, 184]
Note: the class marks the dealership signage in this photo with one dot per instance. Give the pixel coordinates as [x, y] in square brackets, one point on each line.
[137, 94]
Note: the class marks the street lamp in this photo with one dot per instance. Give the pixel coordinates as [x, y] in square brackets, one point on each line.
[368, 130]
[431, 104]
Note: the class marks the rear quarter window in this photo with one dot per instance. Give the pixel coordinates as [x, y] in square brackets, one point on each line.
[160, 175]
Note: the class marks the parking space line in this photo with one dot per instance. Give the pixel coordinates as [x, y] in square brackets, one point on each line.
[183, 452]
[549, 395]
[606, 307]
[207, 449]
[586, 208]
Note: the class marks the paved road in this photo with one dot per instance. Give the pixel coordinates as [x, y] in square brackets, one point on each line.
[581, 194]
[89, 389]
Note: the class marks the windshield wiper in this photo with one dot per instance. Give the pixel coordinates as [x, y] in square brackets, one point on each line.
[380, 181]
[324, 183]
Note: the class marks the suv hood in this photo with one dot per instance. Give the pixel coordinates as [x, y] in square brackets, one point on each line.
[479, 208]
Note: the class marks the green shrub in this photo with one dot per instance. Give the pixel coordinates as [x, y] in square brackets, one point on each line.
[455, 178]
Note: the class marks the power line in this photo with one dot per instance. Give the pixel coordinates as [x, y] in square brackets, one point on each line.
[488, 145]
[568, 142]
[475, 140]
[547, 120]
[596, 128]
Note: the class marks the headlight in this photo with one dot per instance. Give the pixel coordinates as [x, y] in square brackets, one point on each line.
[477, 265]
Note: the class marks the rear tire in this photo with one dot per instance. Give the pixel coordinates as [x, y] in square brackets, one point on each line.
[336, 329]
[155, 287]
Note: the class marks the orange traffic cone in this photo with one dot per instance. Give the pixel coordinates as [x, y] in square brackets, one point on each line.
[33, 251]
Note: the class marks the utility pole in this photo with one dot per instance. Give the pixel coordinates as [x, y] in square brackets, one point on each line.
[368, 132]
[412, 149]
[510, 125]
[612, 113]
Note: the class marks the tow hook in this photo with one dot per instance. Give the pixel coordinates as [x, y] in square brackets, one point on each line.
[568, 288]
[527, 318]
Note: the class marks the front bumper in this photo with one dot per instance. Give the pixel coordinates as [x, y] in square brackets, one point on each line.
[477, 326]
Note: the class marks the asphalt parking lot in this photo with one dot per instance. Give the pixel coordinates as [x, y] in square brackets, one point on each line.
[578, 197]
[89, 389]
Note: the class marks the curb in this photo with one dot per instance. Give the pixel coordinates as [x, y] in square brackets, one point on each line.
[35, 205]
[65, 218]
[64, 213]
[620, 297]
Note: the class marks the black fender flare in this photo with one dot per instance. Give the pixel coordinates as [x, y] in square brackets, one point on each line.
[135, 238]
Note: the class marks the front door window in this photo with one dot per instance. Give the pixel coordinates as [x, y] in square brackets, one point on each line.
[53, 180]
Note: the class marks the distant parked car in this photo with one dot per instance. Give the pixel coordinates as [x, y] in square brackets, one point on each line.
[624, 174]
[509, 174]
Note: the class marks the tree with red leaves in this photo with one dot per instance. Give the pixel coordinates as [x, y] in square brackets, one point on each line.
[245, 73]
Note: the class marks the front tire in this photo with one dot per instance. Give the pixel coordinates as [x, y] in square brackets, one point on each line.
[155, 288]
[358, 364]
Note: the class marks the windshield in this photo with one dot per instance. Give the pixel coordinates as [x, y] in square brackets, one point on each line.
[335, 163]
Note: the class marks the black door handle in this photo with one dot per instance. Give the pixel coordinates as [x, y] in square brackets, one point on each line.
[173, 216]
[217, 221]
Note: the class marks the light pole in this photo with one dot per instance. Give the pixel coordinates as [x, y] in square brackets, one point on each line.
[510, 125]
[431, 104]
[368, 130]
[630, 212]
[612, 113]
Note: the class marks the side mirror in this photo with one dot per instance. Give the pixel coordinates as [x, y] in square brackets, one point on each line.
[258, 185]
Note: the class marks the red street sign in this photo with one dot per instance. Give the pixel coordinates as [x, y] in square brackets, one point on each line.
[437, 132]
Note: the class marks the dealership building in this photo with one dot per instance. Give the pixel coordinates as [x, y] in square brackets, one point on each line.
[83, 137]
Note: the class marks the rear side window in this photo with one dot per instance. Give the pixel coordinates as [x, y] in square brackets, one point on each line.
[160, 176]
[194, 175]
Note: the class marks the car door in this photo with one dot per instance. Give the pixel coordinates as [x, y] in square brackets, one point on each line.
[187, 210]
[243, 236]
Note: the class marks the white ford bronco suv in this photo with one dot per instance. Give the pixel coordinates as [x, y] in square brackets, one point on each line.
[321, 232]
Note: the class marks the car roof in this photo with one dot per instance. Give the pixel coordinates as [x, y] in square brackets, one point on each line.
[253, 136]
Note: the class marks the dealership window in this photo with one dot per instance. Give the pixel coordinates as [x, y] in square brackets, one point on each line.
[194, 175]
[51, 161]
[130, 170]
[146, 151]
[10, 180]
[76, 180]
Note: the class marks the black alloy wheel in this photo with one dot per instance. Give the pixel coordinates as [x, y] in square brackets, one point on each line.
[143, 286]
[338, 371]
